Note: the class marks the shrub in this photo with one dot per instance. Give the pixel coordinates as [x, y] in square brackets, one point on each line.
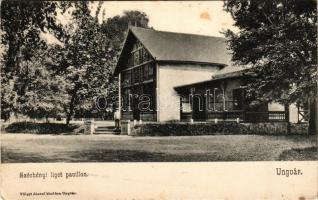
[299, 128]
[222, 128]
[181, 129]
[41, 128]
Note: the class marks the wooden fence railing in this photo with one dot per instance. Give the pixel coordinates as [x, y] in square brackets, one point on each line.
[303, 116]
[270, 116]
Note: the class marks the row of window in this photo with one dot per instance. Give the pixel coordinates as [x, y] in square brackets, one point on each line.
[212, 106]
[137, 45]
[138, 57]
[138, 74]
[236, 103]
[140, 98]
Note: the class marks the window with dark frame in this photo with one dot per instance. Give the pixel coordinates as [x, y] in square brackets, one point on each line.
[238, 98]
[140, 52]
[145, 72]
[136, 75]
[150, 70]
[148, 90]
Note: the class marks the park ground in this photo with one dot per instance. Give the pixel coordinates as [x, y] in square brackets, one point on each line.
[25, 148]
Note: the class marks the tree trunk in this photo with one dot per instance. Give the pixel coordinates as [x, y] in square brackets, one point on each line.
[287, 117]
[312, 129]
[71, 111]
[68, 119]
[6, 116]
[70, 114]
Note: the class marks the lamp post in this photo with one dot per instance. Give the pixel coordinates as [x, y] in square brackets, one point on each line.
[119, 94]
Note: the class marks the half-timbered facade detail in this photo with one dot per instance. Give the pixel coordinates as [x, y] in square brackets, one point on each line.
[138, 83]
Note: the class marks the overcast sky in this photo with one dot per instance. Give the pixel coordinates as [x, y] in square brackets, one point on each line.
[205, 18]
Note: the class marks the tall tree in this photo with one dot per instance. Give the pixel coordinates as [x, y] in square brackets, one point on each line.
[22, 22]
[116, 27]
[85, 61]
[278, 38]
[44, 90]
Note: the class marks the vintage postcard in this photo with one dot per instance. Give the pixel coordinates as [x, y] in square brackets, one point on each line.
[159, 100]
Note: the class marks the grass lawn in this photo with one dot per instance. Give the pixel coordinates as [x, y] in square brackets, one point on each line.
[309, 153]
[23, 148]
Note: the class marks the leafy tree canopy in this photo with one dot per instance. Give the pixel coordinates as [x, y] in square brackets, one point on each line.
[40, 79]
[117, 26]
[278, 38]
[22, 22]
[89, 55]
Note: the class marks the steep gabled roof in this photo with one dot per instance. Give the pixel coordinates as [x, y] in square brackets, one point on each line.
[169, 46]
[180, 47]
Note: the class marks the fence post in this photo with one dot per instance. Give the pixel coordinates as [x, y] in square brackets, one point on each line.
[125, 127]
[89, 127]
[244, 115]
[238, 120]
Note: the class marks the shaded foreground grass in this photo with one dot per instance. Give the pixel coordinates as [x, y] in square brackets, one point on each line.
[107, 155]
[27, 148]
[309, 153]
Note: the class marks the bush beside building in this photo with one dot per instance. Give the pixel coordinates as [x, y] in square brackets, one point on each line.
[42, 128]
[222, 128]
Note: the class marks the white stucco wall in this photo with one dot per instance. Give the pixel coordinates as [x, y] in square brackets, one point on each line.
[275, 107]
[169, 76]
[293, 112]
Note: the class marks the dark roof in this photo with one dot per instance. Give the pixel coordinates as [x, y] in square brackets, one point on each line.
[170, 46]
[181, 47]
[225, 73]
[230, 71]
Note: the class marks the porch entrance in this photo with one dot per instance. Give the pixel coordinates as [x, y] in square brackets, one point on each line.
[198, 109]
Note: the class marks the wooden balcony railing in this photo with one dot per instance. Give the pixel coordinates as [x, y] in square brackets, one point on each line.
[270, 116]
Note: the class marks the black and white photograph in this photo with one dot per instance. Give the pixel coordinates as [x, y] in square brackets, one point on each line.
[88, 81]
[159, 100]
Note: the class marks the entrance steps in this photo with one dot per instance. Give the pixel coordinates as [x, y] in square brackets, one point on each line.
[102, 129]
